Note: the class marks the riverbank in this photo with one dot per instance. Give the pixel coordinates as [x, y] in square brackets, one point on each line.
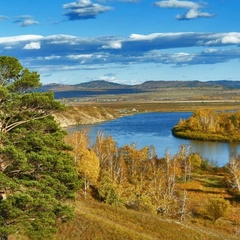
[84, 114]
[91, 113]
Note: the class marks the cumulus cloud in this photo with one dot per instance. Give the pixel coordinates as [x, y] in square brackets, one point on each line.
[232, 38]
[25, 21]
[32, 45]
[113, 45]
[193, 12]
[71, 52]
[84, 9]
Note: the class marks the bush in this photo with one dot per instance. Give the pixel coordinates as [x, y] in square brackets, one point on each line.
[217, 208]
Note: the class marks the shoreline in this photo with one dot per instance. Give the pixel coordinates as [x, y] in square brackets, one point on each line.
[91, 113]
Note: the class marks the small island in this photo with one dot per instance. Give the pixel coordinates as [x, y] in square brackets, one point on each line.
[210, 125]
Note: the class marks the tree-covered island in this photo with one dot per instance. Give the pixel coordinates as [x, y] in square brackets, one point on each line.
[210, 125]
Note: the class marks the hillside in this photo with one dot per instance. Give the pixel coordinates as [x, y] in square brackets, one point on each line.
[148, 85]
[160, 90]
[96, 220]
[101, 84]
[76, 115]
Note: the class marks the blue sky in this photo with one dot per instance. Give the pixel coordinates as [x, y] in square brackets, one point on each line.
[123, 41]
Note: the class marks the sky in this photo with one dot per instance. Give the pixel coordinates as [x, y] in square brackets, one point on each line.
[123, 41]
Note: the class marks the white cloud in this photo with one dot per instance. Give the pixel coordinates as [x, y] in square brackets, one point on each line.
[193, 12]
[20, 38]
[182, 58]
[113, 45]
[63, 51]
[108, 77]
[232, 38]
[52, 57]
[84, 9]
[79, 56]
[149, 36]
[32, 45]
[176, 4]
[25, 21]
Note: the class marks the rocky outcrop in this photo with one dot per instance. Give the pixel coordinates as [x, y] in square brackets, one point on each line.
[77, 115]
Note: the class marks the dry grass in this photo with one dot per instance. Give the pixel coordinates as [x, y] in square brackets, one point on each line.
[96, 220]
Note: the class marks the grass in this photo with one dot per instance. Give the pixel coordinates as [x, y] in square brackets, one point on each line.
[96, 220]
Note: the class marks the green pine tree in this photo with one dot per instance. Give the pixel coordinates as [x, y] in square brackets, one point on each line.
[37, 175]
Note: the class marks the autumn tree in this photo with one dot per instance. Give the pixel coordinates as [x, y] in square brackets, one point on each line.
[36, 173]
[207, 124]
[111, 158]
[234, 171]
[170, 173]
[195, 161]
[184, 161]
[86, 160]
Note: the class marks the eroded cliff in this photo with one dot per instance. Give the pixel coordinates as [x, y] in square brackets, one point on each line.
[86, 114]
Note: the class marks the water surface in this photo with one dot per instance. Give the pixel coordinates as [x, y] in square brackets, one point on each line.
[155, 129]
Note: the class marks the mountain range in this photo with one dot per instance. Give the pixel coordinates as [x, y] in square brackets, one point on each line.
[101, 87]
[102, 84]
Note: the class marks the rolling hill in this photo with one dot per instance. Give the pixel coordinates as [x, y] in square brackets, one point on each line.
[101, 87]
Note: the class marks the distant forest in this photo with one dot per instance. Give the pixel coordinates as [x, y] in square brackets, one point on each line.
[210, 125]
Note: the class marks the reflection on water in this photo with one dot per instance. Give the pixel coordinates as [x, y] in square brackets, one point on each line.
[155, 129]
[218, 153]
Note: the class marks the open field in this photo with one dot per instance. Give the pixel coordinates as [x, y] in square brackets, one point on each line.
[165, 99]
[121, 108]
[163, 106]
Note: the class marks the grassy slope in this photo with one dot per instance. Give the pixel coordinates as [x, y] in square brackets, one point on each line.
[96, 220]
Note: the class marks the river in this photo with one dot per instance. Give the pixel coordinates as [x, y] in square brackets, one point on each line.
[155, 129]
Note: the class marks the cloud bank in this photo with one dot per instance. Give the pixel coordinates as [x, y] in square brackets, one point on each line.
[67, 52]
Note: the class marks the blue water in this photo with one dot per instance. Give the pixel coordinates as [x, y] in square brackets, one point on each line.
[155, 129]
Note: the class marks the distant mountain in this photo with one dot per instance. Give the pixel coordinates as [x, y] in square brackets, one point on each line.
[226, 83]
[170, 84]
[146, 86]
[101, 87]
[101, 84]
[176, 84]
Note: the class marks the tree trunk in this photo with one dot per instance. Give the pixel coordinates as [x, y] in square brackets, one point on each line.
[85, 188]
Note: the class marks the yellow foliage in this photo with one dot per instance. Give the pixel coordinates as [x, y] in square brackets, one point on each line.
[88, 166]
[85, 159]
